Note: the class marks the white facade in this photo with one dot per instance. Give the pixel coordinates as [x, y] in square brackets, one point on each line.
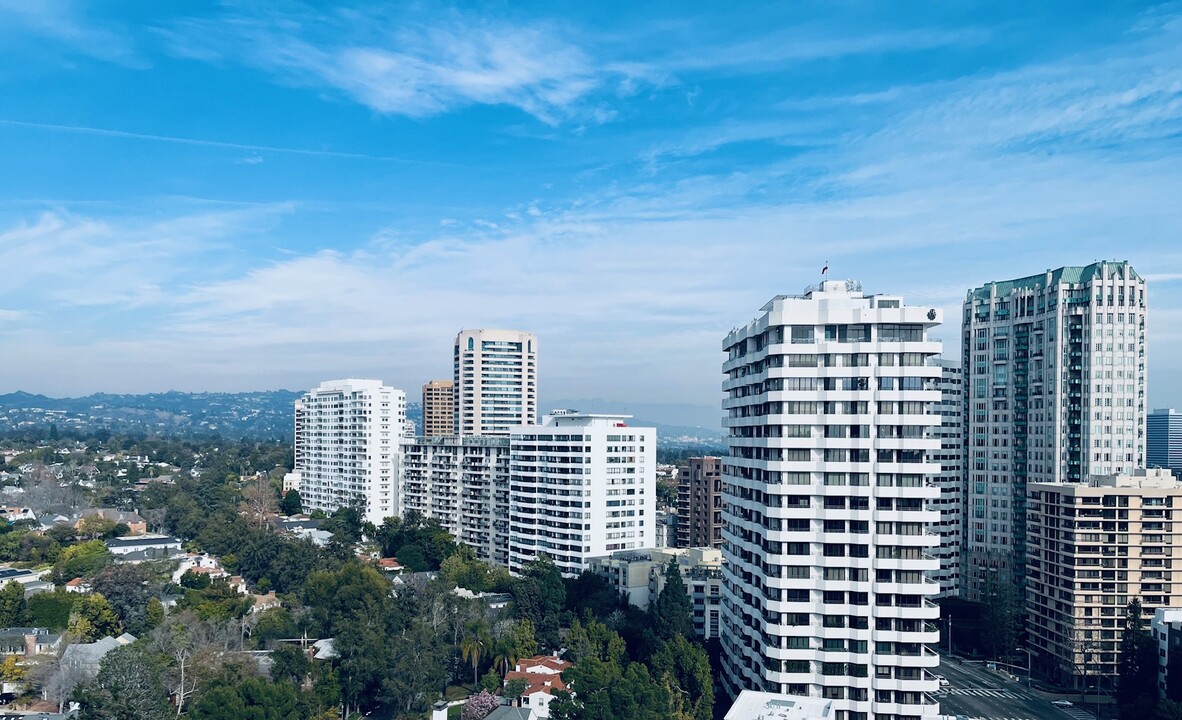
[464, 483]
[951, 479]
[581, 485]
[496, 381]
[831, 407]
[1054, 387]
[348, 446]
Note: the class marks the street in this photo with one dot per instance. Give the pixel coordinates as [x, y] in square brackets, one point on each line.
[975, 692]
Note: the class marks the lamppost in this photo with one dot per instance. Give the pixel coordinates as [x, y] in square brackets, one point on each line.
[1029, 663]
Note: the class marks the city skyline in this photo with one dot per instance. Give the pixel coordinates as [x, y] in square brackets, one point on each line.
[189, 215]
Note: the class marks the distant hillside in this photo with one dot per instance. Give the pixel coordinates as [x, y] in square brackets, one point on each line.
[265, 414]
[268, 415]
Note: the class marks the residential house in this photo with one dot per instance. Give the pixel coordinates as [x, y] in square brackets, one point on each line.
[157, 547]
[28, 642]
[542, 675]
[131, 519]
[85, 658]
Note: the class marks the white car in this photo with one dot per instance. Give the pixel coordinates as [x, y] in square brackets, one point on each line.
[943, 680]
[1061, 703]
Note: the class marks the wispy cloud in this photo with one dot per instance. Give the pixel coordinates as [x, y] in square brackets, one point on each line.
[63, 22]
[402, 66]
[108, 132]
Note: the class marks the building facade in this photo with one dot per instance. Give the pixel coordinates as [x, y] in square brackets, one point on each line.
[581, 485]
[1092, 549]
[950, 480]
[439, 414]
[462, 481]
[349, 436]
[1054, 391]
[699, 503]
[496, 381]
[831, 410]
[640, 575]
[1163, 440]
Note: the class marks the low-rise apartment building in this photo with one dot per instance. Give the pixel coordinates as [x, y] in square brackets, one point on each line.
[640, 575]
[1092, 549]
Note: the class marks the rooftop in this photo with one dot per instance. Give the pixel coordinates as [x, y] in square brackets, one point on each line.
[752, 705]
[1070, 274]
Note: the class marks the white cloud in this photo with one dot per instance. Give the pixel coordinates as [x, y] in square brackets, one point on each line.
[400, 66]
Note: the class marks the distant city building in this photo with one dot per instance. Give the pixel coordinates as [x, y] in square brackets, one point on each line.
[496, 381]
[950, 480]
[830, 409]
[699, 503]
[464, 483]
[640, 575]
[1163, 440]
[666, 529]
[1054, 391]
[1092, 549]
[582, 485]
[439, 405]
[348, 446]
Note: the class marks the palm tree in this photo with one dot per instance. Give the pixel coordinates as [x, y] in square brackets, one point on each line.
[472, 646]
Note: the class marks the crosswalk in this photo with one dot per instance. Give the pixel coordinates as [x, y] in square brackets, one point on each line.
[1077, 713]
[984, 692]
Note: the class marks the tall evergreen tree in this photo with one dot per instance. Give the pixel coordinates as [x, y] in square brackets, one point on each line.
[1137, 664]
[673, 612]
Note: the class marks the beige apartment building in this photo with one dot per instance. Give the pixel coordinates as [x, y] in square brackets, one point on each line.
[1092, 549]
[496, 381]
[438, 408]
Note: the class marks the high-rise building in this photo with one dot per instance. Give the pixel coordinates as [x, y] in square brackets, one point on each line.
[348, 446]
[581, 485]
[699, 503]
[439, 415]
[950, 480]
[1092, 549]
[463, 482]
[1054, 391]
[830, 407]
[496, 381]
[1163, 440]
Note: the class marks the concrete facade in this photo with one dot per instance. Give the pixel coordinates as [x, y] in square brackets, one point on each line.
[496, 381]
[439, 408]
[831, 411]
[1054, 391]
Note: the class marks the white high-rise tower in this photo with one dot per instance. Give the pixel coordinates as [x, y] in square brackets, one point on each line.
[832, 414]
[348, 446]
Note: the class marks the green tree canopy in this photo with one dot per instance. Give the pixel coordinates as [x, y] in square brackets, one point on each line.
[1137, 664]
[13, 609]
[673, 612]
[93, 618]
[128, 687]
[292, 503]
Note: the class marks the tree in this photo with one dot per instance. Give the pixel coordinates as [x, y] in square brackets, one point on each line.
[82, 560]
[11, 671]
[417, 673]
[684, 666]
[538, 596]
[51, 609]
[128, 687]
[514, 688]
[290, 664]
[673, 612]
[252, 698]
[491, 680]
[124, 587]
[13, 608]
[476, 641]
[479, 706]
[259, 501]
[1004, 616]
[154, 613]
[292, 503]
[1137, 664]
[196, 650]
[93, 618]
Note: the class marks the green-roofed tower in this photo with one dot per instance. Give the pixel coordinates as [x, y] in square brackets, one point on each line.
[1054, 391]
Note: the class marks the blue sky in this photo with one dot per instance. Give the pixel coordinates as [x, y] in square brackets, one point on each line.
[233, 196]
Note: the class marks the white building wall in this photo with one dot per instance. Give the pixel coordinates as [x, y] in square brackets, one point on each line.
[950, 480]
[831, 403]
[348, 446]
[581, 485]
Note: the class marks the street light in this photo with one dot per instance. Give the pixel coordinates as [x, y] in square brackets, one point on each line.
[1029, 663]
